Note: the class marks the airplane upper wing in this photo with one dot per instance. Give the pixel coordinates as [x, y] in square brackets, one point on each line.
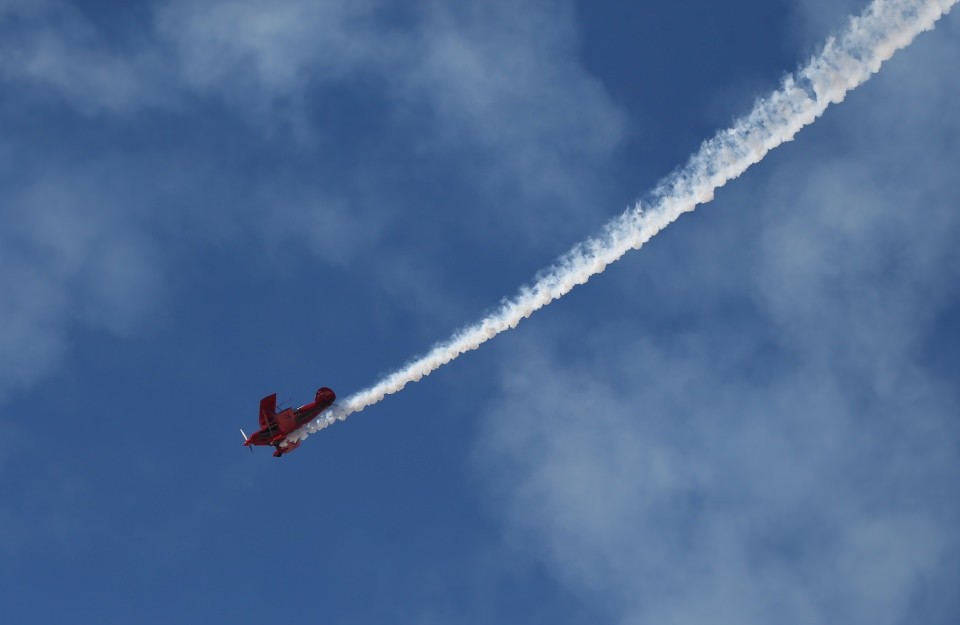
[268, 411]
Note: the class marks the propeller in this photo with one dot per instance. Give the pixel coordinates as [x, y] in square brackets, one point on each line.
[246, 439]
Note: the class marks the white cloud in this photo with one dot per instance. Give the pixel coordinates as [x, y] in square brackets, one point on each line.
[508, 77]
[50, 44]
[71, 252]
[499, 87]
[798, 469]
[327, 228]
[265, 59]
[504, 79]
[670, 490]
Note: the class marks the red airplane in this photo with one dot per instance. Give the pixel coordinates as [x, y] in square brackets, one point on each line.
[276, 426]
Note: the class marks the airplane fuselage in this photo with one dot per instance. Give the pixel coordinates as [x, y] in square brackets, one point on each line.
[276, 426]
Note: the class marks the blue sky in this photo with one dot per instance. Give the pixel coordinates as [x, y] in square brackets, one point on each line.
[753, 419]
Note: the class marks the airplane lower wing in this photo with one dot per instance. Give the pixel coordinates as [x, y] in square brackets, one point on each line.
[279, 451]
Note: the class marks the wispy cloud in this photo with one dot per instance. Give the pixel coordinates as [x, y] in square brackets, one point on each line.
[800, 472]
[71, 253]
[507, 78]
[53, 46]
[845, 63]
[272, 67]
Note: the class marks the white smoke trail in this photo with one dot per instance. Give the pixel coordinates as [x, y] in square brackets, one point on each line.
[845, 63]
